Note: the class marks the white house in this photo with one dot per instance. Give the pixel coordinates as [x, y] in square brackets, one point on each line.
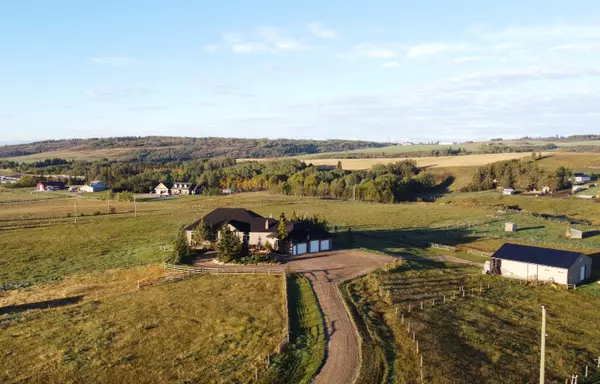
[508, 191]
[540, 264]
[581, 178]
[94, 186]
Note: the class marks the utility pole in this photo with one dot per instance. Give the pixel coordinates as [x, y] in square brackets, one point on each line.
[543, 345]
[354, 192]
[75, 211]
[134, 207]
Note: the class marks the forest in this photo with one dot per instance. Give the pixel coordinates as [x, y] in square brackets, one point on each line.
[518, 174]
[400, 181]
[163, 148]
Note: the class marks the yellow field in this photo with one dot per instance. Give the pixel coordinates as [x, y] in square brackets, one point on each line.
[90, 155]
[432, 162]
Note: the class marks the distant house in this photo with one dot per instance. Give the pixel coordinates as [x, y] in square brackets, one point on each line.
[163, 189]
[8, 179]
[226, 191]
[543, 264]
[510, 227]
[253, 228]
[446, 143]
[94, 186]
[508, 191]
[581, 178]
[577, 188]
[574, 233]
[50, 186]
[183, 188]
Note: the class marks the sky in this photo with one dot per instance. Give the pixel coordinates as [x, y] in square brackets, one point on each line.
[370, 70]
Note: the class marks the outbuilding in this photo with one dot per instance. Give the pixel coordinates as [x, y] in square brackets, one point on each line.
[540, 264]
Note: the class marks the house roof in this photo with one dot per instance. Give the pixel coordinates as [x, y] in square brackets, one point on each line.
[580, 175]
[241, 219]
[536, 255]
[165, 185]
[302, 231]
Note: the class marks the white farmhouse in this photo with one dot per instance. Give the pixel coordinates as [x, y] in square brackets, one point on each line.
[95, 186]
[581, 178]
[543, 264]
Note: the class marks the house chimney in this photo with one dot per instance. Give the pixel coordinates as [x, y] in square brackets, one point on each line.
[267, 225]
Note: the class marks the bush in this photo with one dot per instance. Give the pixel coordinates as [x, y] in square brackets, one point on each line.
[181, 248]
[112, 210]
[229, 246]
[97, 213]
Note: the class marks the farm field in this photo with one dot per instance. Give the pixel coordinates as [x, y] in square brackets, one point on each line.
[429, 162]
[42, 241]
[181, 331]
[89, 155]
[12, 195]
[487, 337]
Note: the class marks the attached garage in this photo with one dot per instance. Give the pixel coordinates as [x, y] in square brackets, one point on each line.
[314, 246]
[325, 245]
[300, 248]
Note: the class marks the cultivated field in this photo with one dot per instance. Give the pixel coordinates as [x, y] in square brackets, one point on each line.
[491, 335]
[216, 329]
[430, 162]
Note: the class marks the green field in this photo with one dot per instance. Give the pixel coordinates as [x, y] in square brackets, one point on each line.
[487, 337]
[216, 329]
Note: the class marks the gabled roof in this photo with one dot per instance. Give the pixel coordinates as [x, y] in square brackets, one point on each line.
[241, 219]
[165, 185]
[536, 255]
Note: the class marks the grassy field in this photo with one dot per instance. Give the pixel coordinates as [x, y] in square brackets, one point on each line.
[15, 195]
[215, 329]
[89, 155]
[491, 337]
[306, 351]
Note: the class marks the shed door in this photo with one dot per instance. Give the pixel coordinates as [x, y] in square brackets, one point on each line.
[314, 246]
[325, 245]
[300, 248]
[582, 273]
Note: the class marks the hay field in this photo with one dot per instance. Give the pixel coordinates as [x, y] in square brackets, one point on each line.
[432, 162]
[216, 329]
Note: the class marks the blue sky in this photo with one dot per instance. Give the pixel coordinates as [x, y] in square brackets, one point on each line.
[376, 70]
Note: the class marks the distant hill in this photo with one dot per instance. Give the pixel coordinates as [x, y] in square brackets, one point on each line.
[163, 148]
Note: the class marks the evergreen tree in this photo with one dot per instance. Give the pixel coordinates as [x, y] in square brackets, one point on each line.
[339, 166]
[201, 234]
[282, 232]
[181, 248]
[229, 247]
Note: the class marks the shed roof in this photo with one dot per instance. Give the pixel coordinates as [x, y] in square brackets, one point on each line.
[537, 255]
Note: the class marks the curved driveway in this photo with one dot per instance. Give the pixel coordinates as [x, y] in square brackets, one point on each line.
[325, 271]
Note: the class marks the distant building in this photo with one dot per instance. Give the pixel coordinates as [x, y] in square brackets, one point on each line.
[581, 178]
[50, 186]
[508, 191]
[573, 233]
[8, 179]
[183, 188]
[540, 264]
[510, 227]
[163, 189]
[447, 143]
[94, 186]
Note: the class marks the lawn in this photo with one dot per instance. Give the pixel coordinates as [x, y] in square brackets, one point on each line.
[487, 337]
[217, 329]
[17, 195]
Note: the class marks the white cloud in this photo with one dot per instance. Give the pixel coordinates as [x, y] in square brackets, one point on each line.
[429, 49]
[115, 94]
[391, 64]
[263, 39]
[114, 61]
[581, 47]
[468, 59]
[320, 31]
[378, 51]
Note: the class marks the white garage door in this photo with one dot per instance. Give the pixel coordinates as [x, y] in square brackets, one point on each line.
[325, 245]
[301, 248]
[314, 246]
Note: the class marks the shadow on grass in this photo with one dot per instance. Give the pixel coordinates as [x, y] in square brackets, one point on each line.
[47, 304]
[589, 234]
[530, 228]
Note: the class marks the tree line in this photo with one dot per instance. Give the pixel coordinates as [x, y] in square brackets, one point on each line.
[524, 175]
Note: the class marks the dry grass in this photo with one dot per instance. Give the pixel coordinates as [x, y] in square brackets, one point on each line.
[216, 329]
[433, 162]
[92, 286]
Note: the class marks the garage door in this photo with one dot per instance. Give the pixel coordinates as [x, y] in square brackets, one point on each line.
[301, 248]
[325, 245]
[314, 246]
